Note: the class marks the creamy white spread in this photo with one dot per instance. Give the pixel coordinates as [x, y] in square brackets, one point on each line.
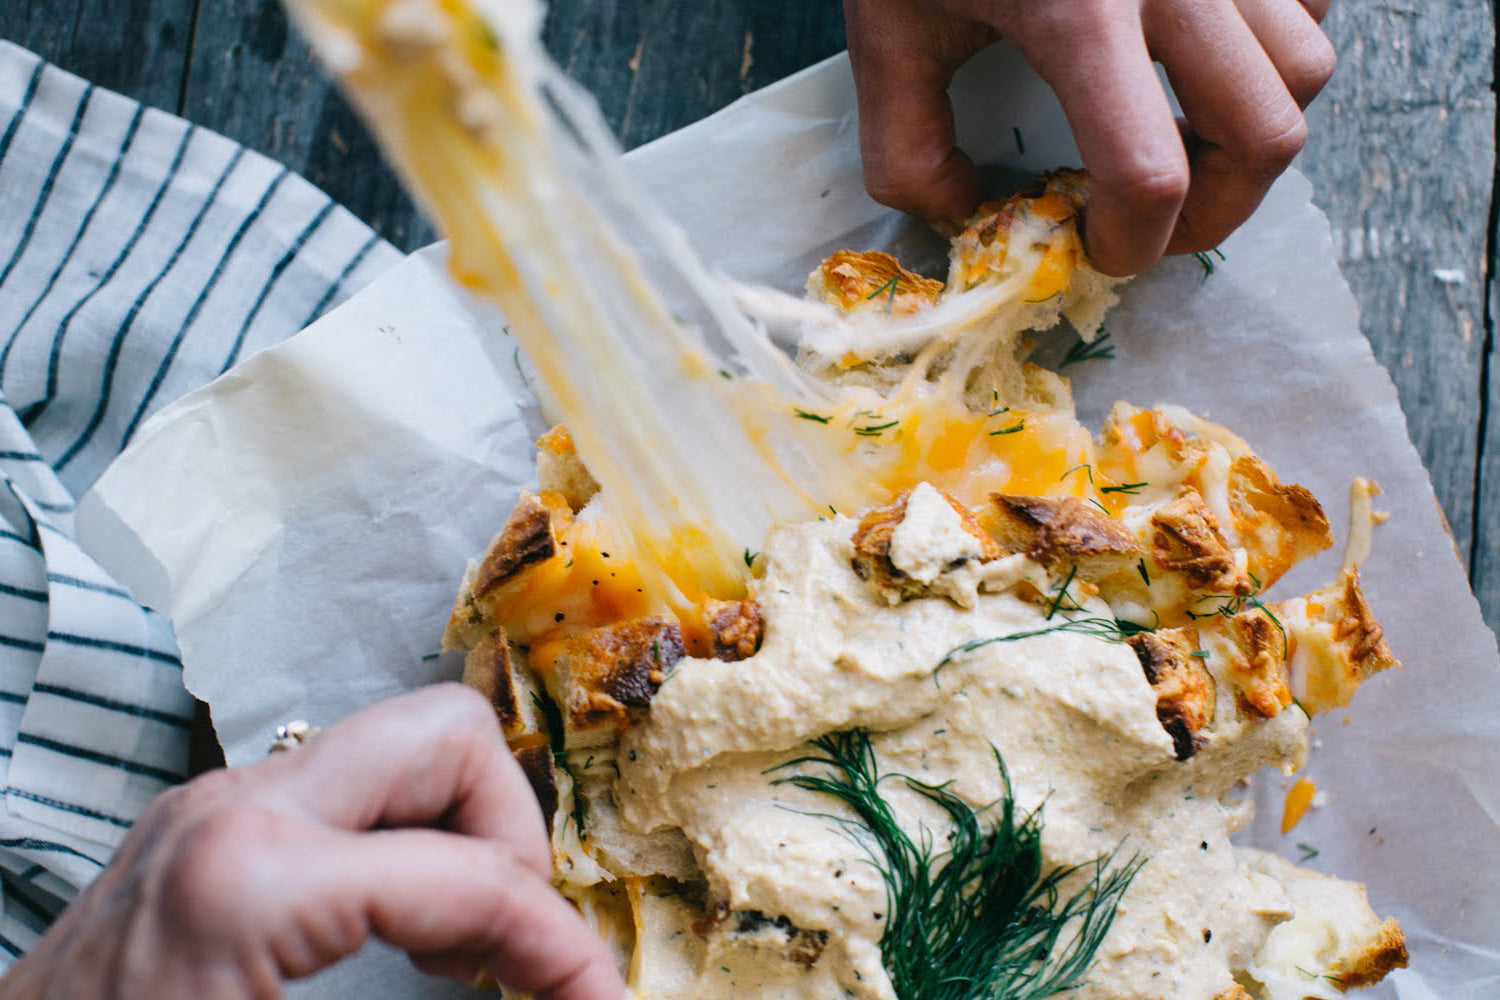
[1072, 715]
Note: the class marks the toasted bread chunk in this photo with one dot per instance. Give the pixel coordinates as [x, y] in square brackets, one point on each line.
[560, 470]
[1184, 687]
[529, 536]
[1335, 643]
[735, 628]
[540, 767]
[1280, 524]
[983, 247]
[1235, 992]
[1064, 531]
[878, 529]
[754, 929]
[1373, 959]
[492, 670]
[1257, 661]
[1332, 933]
[598, 676]
[854, 281]
[1185, 538]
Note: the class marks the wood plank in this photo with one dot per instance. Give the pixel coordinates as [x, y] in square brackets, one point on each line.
[254, 80]
[1402, 156]
[141, 51]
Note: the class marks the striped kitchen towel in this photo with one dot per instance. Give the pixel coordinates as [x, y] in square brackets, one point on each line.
[140, 257]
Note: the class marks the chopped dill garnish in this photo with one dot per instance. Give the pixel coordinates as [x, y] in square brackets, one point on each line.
[1108, 629]
[429, 657]
[1206, 259]
[516, 360]
[1012, 429]
[1062, 595]
[726, 374]
[1015, 130]
[890, 301]
[998, 411]
[1308, 851]
[981, 918]
[1201, 654]
[1130, 489]
[874, 430]
[832, 511]
[1091, 351]
[750, 557]
[812, 416]
[1233, 604]
[1086, 467]
[1141, 567]
[1096, 503]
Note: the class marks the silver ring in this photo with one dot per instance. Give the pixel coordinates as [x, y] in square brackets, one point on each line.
[291, 735]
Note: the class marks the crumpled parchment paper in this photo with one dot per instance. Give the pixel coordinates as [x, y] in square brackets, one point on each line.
[305, 520]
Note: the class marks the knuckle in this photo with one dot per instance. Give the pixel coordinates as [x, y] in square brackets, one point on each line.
[1154, 187]
[1310, 72]
[215, 866]
[1273, 155]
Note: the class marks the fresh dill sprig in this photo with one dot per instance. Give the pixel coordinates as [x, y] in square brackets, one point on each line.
[873, 430]
[812, 416]
[1129, 489]
[1141, 568]
[1092, 351]
[1108, 629]
[1206, 259]
[890, 301]
[1086, 467]
[1062, 595]
[750, 558]
[981, 919]
[1233, 604]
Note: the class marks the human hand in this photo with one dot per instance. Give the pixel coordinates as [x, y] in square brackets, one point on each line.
[1242, 71]
[410, 822]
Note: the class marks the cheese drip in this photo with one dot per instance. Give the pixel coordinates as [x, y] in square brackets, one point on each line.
[520, 173]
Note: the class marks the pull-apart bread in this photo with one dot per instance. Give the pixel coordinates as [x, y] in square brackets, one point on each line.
[985, 738]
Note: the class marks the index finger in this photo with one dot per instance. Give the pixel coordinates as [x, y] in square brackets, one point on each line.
[1098, 64]
[433, 757]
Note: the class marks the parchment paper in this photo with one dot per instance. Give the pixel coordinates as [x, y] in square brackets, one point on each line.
[304, 521]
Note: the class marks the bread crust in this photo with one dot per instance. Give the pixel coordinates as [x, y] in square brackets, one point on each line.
[598, 676]
[872, 546]
[1063, 531]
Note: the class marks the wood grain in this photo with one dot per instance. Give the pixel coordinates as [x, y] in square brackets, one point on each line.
[1402, 159]
[137, 47]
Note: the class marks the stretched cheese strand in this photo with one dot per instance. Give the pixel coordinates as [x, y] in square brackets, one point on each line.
[520, 173]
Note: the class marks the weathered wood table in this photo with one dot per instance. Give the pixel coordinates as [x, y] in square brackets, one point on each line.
[1402, 154]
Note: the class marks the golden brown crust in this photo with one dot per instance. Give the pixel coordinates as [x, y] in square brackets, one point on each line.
[1186, 538]
[540, 767]
[529, 537]
[1281, 523]
[1384, 952]
[1235, 992]
[1259, 671]
[872, 546]
[1336, 644]
[1063, 531]
[852, 280]
[735, 628]
[1184, 687]
[490, 669]
[599, 675]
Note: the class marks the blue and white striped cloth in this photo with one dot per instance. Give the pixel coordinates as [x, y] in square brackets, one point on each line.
[140, 257]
